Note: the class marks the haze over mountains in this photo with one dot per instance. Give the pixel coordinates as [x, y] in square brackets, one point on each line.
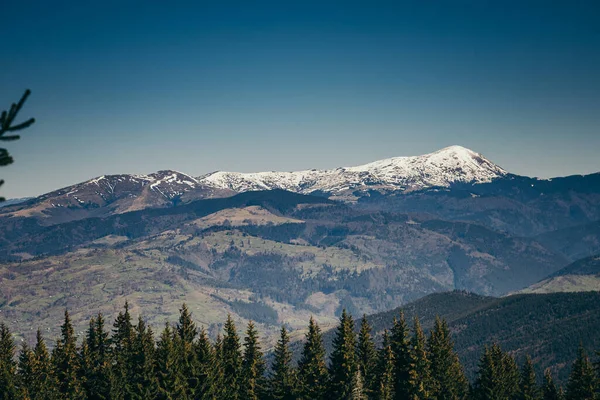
[277, 247]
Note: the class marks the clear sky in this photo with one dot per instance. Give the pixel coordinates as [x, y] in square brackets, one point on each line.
[139, 86]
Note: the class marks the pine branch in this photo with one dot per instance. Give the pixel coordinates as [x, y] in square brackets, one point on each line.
[7, 118]
[6, 125]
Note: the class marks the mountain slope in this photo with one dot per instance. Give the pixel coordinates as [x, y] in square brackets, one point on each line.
[442, 168]
[581, 276]
[575, 242]
[547, 327]
[111, 194]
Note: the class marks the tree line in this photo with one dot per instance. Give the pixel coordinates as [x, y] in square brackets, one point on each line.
[183, 363]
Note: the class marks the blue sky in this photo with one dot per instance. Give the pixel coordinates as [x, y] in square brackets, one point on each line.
[139, 86]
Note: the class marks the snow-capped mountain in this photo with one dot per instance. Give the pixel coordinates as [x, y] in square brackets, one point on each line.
[442, 168]
[113, 194]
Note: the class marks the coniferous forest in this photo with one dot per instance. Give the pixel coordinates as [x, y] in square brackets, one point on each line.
[130, 362]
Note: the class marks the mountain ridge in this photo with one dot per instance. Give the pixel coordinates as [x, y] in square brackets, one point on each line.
[441, 168]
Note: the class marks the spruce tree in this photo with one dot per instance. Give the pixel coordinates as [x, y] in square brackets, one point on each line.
[358, 387]
[511, 376]
[25, 372]
[422, 367]
[144, 384]
[214, 388]
[312, 371]
[283, 380]
[171, 381]
[44, 382]
[528, 389]
[385, 370]
[96, 363]
[550, 391]
[8, 367]
[497, 377]
[232, 361]
[204, 360]
[121, 341]
[448, 381]
[65, 360]
[253, 385]
[186, 333]
[342, 363]
[366, 355]
[404, 366]
[582, 384]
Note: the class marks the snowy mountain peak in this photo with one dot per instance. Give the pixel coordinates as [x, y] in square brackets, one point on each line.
[454, 164]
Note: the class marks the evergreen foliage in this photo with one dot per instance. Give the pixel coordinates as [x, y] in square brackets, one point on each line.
[385, 370]
[583, 382]
[448, 379]
[366, 355]
[342, 363]
[498, 376]
[358, 387]
[171, 381]
[283, 379]
[253, 366]
[550, 391]
[312, 371]
[121, 341]
[231, 359]
[422, 368]
[7, 125]
[66, 363]
[183, 364]
[8, 366]
[144, 384]
[44, 385]
[96, 362]
[404, 366]
[185, 334]
[528, 389]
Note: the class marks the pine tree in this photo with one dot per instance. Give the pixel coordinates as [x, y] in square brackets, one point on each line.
[498, 375]
[404, 366]
[204, 360]
[366, 355]
[550, 391]
[186, 333]
[171, 381]
[44, 382]
[385, 370]
[66, 363]
[448, 379]
[8, 367]
[121, 341]
[232, 361]
[342, 363]
[96, 362]
[144, 384]
[282, 382]
[582, 383]
[511, 374]
[312, 371]
[253, 384]
[214, 388]
[422, 365]
[358, 387]
[528, 389]
[25, 372]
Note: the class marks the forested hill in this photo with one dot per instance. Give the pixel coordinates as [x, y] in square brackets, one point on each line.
[545, 326]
